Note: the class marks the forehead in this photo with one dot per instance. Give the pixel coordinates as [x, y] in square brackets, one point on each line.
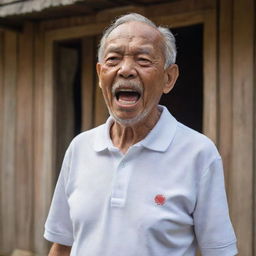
[135, 34]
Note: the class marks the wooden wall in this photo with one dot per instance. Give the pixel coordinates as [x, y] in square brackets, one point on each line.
[237, 112]
[27, 109]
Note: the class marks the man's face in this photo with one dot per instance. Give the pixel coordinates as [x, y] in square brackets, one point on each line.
[131, 74]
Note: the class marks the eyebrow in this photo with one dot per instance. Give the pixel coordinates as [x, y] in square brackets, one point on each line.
[138, 50]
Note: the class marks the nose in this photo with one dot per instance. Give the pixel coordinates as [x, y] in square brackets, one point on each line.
[127, 68]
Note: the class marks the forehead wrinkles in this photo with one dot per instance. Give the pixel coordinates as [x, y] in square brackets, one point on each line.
[131, 49]
[137, 33]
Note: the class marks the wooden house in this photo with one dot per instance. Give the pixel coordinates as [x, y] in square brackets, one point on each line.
[49, 93]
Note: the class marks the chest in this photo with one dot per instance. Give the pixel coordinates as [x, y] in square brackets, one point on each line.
[155, 192]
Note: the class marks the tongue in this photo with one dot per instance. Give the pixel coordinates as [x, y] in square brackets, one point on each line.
[128, 97]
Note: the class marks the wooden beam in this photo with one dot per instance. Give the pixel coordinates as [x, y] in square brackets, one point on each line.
[1, 120]
[100, 110]
[181, 20]
[75, 32]
[210, 77]
[24, 139]
[225, 87]
[254, 165]
[179, 7]
[7, 180]
[41, 180]
[243, 91]
[88, 81]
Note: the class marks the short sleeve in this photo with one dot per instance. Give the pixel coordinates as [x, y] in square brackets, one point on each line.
[213, 228]
[58, 226]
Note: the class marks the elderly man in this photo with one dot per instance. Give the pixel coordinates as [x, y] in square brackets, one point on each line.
[142, 184]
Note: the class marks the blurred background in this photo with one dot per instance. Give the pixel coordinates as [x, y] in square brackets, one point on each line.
[49, 93]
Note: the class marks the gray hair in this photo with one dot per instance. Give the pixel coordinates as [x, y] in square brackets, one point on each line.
[169, 39]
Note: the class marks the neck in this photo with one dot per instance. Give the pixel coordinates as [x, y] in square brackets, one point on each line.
[124, 137]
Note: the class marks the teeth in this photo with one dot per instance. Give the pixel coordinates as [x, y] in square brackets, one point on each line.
[127, 102]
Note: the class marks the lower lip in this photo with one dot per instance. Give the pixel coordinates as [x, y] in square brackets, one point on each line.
[127, 104]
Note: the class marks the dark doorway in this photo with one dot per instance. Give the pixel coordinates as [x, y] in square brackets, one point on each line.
[185, 101]
[67, 66]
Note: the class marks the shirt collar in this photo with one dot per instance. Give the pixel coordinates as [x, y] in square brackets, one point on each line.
[158, 139]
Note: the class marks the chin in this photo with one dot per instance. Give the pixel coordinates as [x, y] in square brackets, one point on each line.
[130, 122]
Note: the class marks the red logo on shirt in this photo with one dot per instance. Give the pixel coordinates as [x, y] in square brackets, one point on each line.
[160, 199]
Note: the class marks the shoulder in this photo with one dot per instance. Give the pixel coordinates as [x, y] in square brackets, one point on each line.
[87, 139]
[88, 136]
[195, 144]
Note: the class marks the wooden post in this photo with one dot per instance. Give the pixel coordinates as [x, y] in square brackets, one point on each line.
[24, 140]
[88, 81]
[210, 83]
[41, 181]
[225, 86]
[1, 121]
[241, 177]
[7, 186]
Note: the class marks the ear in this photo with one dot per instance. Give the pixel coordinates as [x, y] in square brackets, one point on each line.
[171, 75]
[98, 68]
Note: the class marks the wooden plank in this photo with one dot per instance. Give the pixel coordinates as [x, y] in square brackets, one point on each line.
[225, 87]
[7, 180]
[243, 91]
[1, 120]
[254, 192]
[181, 20]
[101, 111]
[24, 139]
[75, 32]
[41, 180]
[179, 7]
[49, 143]
[210, 81]
[88, 80]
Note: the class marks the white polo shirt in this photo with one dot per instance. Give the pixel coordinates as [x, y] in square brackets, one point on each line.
[163, 197]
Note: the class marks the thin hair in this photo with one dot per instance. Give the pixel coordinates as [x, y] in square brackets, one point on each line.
[170, 50]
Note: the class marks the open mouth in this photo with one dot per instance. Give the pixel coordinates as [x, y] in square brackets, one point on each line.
[127, 96]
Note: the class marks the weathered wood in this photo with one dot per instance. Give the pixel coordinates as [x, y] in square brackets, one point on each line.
[88, 80]
[41, 179]
[225, 86]
[241, 177]
[75, 32]
[181, 19]
[101, 111]
[210, 82]
[174, 11]
[24, 140]
[254, 127]
[49, 153]
[7, 187]
[1, 121]
[28, 6]
[178, 7]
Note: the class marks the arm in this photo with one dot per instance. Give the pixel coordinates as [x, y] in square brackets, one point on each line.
[59, 250]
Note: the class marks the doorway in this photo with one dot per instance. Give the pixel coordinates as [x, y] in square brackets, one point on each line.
[185, 101]
[67, 93]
